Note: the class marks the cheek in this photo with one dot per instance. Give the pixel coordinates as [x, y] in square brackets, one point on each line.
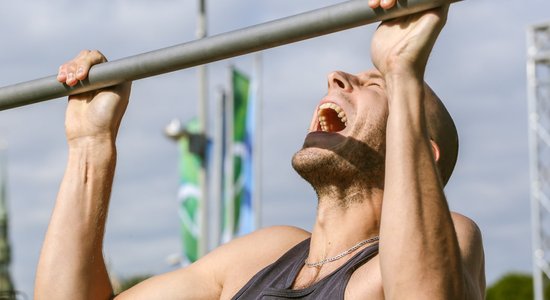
[371, 128]
[373, 117]
[372, 110]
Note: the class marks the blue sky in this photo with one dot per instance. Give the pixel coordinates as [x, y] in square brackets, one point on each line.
[477, 68]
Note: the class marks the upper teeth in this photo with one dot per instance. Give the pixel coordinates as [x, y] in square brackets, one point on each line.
[322, 119]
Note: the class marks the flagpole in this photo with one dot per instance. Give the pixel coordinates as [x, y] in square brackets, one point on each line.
[229, 209]
[203, 119]
[258, 136]
[217, 168]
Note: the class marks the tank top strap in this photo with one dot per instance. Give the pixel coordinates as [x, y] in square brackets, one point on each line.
[275, 281]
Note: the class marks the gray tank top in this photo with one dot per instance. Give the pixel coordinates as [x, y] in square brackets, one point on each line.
[275, 281]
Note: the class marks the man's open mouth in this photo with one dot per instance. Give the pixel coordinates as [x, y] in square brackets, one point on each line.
[331, 117]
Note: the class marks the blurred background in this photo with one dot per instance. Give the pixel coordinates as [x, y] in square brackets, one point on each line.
[478, 68]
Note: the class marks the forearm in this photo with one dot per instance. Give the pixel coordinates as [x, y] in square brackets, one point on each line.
[419, 250]
[71, 263]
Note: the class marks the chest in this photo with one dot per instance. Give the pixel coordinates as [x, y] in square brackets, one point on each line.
[364, 283]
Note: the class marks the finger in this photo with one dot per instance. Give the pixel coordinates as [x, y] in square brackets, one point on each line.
[374, 4]
[86, 60]
[70, 67]
[77, 68]
[66, 72]
[62, 74]
[387, 4]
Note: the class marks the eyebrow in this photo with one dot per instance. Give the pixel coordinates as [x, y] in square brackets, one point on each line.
[378, 76]
[371, 75]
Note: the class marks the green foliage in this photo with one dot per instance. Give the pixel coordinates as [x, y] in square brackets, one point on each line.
[515, 286]
[511, 286]
[130, 282]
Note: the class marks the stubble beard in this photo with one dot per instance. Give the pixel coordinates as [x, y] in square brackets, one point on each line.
[352, 166]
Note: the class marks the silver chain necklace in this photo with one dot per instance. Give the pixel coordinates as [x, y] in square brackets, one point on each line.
[337, 257]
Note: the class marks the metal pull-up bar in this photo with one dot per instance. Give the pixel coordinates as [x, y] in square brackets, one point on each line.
[299, 27]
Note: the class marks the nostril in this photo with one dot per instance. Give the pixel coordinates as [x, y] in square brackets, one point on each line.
[339, 82]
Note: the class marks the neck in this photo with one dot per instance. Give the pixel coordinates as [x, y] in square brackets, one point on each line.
[344, 218]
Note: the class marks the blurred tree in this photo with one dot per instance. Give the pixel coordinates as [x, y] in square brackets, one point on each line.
[7, 290]
[514, 286]
[129, 282]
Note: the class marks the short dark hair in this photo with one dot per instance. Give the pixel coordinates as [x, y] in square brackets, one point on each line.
[443, 132]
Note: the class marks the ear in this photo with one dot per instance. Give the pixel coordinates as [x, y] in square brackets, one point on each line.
[435, 149]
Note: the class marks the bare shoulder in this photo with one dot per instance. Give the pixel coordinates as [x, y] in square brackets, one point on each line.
[471, 249]
[278, 233]
[221, 273]
[262, 246]
[468, 233]
[242, 258]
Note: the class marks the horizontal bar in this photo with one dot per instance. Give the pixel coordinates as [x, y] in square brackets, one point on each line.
[299, 27]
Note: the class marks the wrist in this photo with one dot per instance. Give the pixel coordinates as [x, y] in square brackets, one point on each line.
[404, 79]
[91, 141]
[405, 92]
[94, 149]
[404, 71]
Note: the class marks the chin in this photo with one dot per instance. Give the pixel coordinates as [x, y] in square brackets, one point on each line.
[310, 159]
[320, 166]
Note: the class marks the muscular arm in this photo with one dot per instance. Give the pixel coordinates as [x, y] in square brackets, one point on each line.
[419, 249]
[421, 254]
[71, 263]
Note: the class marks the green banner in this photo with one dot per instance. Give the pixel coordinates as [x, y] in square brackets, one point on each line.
[189, 194]
[240, 155]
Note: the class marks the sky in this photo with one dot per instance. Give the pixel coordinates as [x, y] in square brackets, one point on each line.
[477, 68]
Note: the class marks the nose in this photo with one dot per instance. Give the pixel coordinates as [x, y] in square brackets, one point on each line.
[340, 80]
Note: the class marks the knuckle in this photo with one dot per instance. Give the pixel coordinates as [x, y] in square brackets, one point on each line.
[83, 53]
[99, 56]
[71, 65]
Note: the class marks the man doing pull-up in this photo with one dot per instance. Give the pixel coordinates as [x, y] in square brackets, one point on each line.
[380, 148]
